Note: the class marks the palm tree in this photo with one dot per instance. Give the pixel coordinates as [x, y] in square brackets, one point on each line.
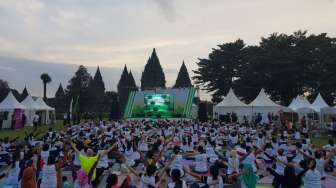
[45, 79]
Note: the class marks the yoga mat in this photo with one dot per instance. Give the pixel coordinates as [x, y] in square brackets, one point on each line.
[328, 183]
[264, 186]
[266, 180]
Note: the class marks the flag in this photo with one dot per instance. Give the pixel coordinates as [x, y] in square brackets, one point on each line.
[76, 105]
[70, 108]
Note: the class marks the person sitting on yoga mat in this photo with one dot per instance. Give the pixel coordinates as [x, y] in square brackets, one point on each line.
[176, 180]
[201, 160]
[214, 180]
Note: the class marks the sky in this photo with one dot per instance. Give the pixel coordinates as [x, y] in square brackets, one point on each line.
[55, 36]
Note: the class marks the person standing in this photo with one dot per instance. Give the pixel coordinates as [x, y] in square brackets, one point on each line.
[312, 178]
[29, 176]
[36, 119]
[65, 118]
[2, 117]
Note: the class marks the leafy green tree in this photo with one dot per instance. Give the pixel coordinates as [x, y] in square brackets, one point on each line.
[285, 65]
[4, 89]
[153, 75]
[45, 79]
[79, 87]
[217, 73]
[183, 79]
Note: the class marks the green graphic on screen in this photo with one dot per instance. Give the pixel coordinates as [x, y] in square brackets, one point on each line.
[158, 105]
[162, 103]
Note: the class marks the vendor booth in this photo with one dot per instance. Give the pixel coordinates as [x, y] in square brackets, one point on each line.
[264, 106]
[12, 112]
[231, 104]
[31, 108]
[46, 113]
[325, 112]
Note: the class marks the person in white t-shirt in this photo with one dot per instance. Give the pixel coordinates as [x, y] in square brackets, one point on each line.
[36, 119]
[176, 180]
[312, 178]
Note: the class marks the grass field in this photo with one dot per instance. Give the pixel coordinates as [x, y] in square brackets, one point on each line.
[319, 141]
[21, 133]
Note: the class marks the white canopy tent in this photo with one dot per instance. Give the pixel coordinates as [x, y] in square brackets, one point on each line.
[47, 113]
[302, 106]
[230, 104]
[264, 105]
[321, 107]
[8, 106]
[31, 108]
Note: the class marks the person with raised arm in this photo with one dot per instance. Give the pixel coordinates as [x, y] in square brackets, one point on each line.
[88, 159]
[152, 178]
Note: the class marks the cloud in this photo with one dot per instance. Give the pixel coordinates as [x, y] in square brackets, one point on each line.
[113, 33]
[6, 68]
[167, 8]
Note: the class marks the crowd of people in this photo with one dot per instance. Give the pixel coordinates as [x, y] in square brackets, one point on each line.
[163, 153]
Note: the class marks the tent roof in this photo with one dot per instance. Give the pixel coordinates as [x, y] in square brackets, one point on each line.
[293, 103]
[42, 105]
[30, 103]
[263, 100]
[231, 100]
[319, 103]
[10, 103]
[300, 102]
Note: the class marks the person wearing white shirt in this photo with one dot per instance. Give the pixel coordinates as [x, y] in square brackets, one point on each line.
[233, 163]
[176, 180]
[312, 178]
[36, 119]
[329, 146]
[281, 159]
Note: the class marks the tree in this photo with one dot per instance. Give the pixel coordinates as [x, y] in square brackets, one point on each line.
[183, 80]
[24, 94]
[45, 79]
[4, 89]
[217, 73]
[97, 92]
[79, 88]
[285, 65]
[153, 75]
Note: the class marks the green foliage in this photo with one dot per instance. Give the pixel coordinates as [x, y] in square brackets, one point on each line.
[216, 74]
[153, 75]
[45, 79]
[4, 89]
[79, 87]
[183, 80]
[285, 65]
